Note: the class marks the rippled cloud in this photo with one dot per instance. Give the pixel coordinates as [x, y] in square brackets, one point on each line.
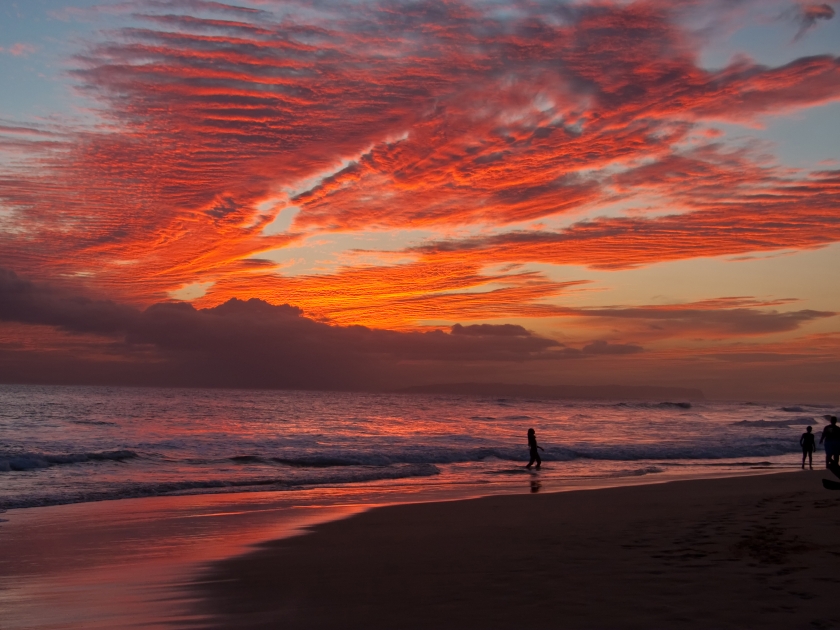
[401, 115]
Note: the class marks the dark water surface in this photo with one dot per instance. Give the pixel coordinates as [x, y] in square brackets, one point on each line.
[78, 444]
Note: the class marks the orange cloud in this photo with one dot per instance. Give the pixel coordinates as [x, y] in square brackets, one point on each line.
[402, 296]
[728, 205]
[214, 119]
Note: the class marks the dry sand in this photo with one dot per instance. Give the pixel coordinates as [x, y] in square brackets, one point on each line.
[747, 552]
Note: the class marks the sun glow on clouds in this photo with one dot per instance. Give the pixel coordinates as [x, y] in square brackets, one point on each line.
[393, 163]
[191, 291]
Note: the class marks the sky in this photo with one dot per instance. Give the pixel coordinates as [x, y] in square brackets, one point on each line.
[375, 195]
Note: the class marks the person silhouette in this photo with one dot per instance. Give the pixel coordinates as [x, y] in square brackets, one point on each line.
[831, 437]
[808, 448]
[534, 448]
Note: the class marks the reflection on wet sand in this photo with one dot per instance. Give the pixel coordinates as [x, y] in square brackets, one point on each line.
[128, 563]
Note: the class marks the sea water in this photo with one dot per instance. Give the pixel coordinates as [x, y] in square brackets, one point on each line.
[63, 445]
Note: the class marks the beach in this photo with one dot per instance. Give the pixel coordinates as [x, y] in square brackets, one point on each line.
[745, 552]
[219, 508]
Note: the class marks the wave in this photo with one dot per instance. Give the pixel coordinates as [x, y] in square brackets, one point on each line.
[442, 456]
[19, 462]
[673, 452]
[771, 424]
[638, 472]
[342, 459]
[748, 464]
[660, 405]
[248, 459]
[521, 417]
[811, 405]
[205, 486]
[96, 423]
[432, 455]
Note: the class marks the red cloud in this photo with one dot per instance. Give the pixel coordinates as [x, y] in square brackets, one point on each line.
[427, 115]
[728, 205]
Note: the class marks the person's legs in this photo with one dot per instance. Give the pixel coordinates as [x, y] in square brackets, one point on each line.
[535, 457]
[804, 455]
[810, 460]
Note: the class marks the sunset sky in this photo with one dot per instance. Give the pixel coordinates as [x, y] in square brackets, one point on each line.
[590, 193]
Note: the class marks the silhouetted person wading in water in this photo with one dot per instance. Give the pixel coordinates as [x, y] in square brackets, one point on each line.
[808, 447]
[532, 445]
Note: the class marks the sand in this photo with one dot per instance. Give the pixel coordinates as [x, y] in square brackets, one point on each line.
[747, 552]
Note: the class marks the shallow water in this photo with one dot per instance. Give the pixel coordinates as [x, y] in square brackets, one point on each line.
[79, 444]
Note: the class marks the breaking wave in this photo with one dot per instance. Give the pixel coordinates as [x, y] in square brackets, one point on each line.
[17, 462]
[660, 405]
[438, 456]
[154, 489]
[94, 423]
[771, 424]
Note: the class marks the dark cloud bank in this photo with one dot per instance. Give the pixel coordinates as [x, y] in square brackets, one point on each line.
[250, 344]
[67, 338]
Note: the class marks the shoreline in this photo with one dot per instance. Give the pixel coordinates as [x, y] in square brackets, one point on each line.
[743, 551]
[649, 472]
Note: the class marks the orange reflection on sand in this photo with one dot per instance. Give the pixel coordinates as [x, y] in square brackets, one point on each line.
[130, 562]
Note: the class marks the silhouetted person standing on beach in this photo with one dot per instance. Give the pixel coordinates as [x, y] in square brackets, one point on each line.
[532, 446]
[808, 447]
[831, 437]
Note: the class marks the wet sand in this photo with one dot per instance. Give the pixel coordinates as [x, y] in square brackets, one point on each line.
[129, 563]
[132, 562]
[746, 552]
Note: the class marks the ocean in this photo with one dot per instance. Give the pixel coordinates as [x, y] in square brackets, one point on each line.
[62, 445]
